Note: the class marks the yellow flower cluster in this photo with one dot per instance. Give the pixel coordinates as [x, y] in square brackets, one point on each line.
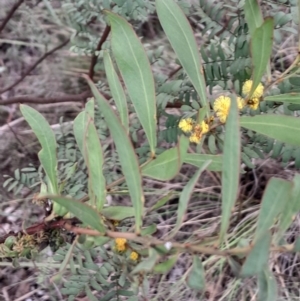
[222, 103]
[120, 244]
[253, 101]
[188, 125]
[259, 91]
[222, 106]
[134, 256]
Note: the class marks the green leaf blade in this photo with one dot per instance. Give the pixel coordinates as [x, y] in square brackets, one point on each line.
[272, 204]
[85, 213]
[116, 89]
[261, 49]
[196, 277]
[291, 208]
[199, 159]
[267, 286]
[258, 257]
[118, 213]
[46, 137]
[128, 159]
[253, 15]
[167, 165]
[95, 160]
[231, 166]
[185, 197]
[181, 37]
[286, 98]
[282, 128]
[136, 73]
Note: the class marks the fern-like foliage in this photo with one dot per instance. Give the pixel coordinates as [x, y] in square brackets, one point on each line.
[97, 270]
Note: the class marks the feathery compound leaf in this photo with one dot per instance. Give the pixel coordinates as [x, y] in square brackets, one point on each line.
[273, 202]
[95, 161]
[185, 197]
[167, 165]
[231, 166]
[136, 72]
[199, 159]
[258, 257]
[128, 159]
[283, 128]
[46, 137]
[116, 89]
[181, 37]
[288, 98]
[267, 286]
[253, 15]
[261, 48]
[196, 277]
[85, 213]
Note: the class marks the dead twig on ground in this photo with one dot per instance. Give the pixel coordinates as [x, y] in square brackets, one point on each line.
[10, 14]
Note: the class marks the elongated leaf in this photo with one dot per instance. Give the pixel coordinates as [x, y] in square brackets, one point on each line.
[46, 137]
[267, 286]
[85, 213]
[167, 165]
[118, 213]
[196, 277]
[261, 48]
[147, 264]
[291, 208]
[116, 89]
[185, 197]
[287, 98]
[253, 15]
[149, 230]
[199, 159]
[181, 37]
[128, 159]
[161, 202]
[136, 72]
[95, 160]
[167, 265]
[78, 129]
[273, 202]
[283, 128]
[231, 166]
[80, 123]
[257, 259]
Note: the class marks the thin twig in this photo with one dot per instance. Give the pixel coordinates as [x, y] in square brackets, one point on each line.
[33, 66]
[172, 73]
[99, 46]
[40, 100]
[10, 14]
[193, 248]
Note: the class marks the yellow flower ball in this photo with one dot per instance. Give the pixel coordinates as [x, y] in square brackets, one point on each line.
[253, 103]
[196, 135]
[120, 244]
[134, 256]
[204, 127]
[240, 102]
[259, 91]
[186, 125]
[221, 107]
